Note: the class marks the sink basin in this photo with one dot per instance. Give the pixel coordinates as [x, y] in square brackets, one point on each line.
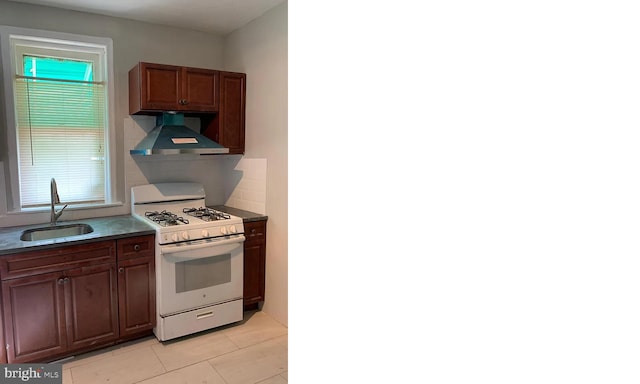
[45, 233]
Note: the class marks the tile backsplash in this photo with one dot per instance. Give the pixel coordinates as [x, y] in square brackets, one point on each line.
[245, 184]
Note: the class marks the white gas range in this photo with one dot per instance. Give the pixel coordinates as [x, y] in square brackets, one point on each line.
[199, 258]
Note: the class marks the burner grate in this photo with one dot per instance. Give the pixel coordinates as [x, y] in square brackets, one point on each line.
[206, 214]
[165, 218]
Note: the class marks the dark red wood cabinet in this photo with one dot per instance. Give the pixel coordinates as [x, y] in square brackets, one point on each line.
[228, 126]
[58, 300]
[154, 88]
[70, 299]
[255, 251]
[136, 285]
[91, 311]
[34, 317]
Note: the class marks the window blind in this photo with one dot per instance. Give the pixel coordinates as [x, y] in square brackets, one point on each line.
[61, 129]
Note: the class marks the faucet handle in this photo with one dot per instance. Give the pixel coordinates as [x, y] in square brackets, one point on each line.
[59, 213]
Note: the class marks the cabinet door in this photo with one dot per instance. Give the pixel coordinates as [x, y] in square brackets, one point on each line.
[254, 262]
[34, 317]
[160, 87]
[200, 90]
[136, 295]
[253, 274]
[232, 110]
[91, 305]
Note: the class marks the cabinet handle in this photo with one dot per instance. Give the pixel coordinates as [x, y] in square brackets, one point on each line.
[253, 231]
[121, 270]
[185, 101]
[60, 281]
[136, 247]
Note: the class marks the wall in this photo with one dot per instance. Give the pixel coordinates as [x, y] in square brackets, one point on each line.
[132, 42]
[260, 50]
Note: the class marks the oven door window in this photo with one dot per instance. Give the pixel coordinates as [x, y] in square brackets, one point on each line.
[203, 273]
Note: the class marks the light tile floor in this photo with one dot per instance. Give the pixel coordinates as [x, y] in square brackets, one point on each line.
[252, 351]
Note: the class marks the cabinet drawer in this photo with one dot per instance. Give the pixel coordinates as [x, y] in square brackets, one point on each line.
[255, 231]
[57, 259]
[133, 247]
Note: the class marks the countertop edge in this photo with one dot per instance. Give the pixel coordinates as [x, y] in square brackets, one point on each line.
[247, 216]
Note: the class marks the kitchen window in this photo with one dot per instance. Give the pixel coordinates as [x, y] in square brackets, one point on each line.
[58, 97]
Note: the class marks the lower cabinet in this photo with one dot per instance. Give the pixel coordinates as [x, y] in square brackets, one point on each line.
[69, 299]
[34, 317]
[136, 285]
[255, 251]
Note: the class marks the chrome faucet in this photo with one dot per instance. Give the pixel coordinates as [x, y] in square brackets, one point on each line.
[55, 199]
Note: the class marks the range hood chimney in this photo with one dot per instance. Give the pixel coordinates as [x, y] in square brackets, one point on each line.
[171, 137]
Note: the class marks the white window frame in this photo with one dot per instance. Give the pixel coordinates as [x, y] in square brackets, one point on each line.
[48, 39]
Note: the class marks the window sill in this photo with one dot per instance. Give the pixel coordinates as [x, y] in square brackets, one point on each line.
[76, 207]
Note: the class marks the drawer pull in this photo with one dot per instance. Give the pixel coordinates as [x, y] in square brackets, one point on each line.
[136, 247]
[204, 315]
[121, 270]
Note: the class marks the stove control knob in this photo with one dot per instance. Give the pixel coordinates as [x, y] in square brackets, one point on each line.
[232, 229]
[223, 230]
[185, 235]
[205, 233]
[174, 236]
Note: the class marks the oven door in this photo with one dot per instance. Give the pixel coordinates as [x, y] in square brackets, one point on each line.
[199, 274]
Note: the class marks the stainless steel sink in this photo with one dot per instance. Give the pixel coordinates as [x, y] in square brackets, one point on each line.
[45, 233]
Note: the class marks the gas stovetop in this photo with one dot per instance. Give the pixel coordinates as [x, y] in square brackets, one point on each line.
[179, 213]
[166, 219]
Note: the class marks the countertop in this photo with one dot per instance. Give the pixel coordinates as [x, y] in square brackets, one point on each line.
[104, 228]
[245, 215]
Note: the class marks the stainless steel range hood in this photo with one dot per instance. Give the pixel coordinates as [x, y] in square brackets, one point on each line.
[171, 137]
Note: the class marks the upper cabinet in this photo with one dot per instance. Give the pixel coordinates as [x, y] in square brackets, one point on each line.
[155, 88]
[227, 126]
[217, 97]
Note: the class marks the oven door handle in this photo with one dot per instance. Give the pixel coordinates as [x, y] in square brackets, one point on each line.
[199, 244]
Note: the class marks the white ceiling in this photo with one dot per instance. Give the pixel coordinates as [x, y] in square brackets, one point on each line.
[213, 16]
